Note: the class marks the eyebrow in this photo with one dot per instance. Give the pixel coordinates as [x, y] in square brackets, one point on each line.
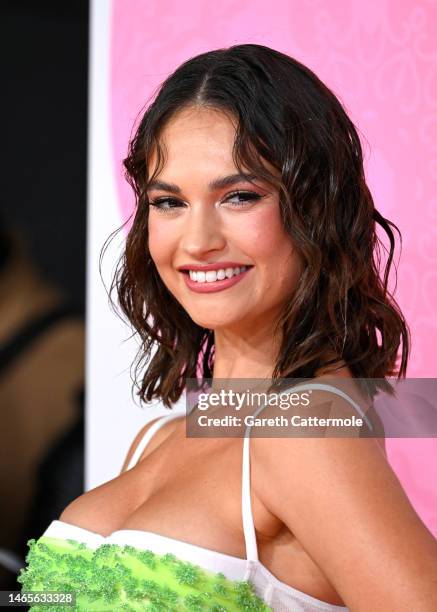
[219, 183]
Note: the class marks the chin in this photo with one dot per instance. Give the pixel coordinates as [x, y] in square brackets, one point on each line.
[208, 322]
[211, 320]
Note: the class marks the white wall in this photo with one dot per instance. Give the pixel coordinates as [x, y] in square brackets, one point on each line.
[112, 416]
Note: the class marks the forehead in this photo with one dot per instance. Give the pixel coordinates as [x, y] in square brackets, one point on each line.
[201, 119]
[198, 136]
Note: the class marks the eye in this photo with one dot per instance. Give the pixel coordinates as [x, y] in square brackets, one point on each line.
[166, 205]
[243, 197]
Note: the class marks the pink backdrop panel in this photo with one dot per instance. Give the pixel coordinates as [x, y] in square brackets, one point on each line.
[379, 57]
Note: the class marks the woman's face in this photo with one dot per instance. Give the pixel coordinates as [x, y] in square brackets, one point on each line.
[211, 223]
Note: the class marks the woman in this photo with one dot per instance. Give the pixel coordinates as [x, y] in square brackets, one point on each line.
[251, 255]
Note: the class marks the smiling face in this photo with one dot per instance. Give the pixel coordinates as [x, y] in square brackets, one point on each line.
[201, 213]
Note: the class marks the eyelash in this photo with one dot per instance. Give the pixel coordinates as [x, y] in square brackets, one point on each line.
[250, 197]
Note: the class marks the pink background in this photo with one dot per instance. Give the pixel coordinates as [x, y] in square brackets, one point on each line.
[379, 57]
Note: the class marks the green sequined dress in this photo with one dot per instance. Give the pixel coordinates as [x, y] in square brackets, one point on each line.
[114, 577]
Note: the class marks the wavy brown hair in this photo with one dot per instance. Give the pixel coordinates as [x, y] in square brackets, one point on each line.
[287, 116]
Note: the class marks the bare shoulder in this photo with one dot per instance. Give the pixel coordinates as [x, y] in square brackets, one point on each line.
[357, 403]
[136, 441]
[345, 505]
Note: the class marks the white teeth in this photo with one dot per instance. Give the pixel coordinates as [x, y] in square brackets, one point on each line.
[212, 275]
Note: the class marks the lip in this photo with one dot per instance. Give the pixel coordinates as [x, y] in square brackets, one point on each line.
[218, 285]
[212, 266]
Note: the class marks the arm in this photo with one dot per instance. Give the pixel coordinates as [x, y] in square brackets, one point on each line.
[344, 503]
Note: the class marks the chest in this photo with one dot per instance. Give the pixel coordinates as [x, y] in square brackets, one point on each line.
[190, 489]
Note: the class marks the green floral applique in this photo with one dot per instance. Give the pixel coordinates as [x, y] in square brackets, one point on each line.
[113, 577]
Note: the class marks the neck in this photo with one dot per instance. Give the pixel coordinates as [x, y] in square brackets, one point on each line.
[245, 355]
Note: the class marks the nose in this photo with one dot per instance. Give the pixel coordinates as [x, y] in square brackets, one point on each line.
[202, 232]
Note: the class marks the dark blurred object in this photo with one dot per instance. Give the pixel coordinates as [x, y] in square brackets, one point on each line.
[44, 54]
[42, 341]
[5, 245]
[51, 8]
[60, 479]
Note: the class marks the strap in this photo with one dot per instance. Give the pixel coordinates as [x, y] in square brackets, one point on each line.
[148, 436]
[248, 524]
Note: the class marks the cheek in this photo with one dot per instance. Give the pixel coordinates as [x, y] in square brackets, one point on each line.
[267, 235]
[161, 239]
[274, 252]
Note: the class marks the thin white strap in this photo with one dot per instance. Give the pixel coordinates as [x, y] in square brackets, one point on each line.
[248, 524]
[246, 504]
[148, 436]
